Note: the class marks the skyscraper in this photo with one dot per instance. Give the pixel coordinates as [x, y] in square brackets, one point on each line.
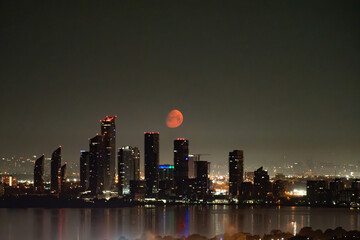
[152, 162]
[128, 168]
[181, 167]
[202, 178]
[261, 183]
[39, 175]
[84, 170]
[191, 163]
[55, 170]
[63, 177]
[97, 168]
[236, 171]
[108, 131]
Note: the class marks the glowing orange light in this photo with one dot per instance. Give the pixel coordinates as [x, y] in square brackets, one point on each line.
[108, 119]
[174, 119]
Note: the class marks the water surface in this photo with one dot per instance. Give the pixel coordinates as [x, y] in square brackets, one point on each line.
[111, 224]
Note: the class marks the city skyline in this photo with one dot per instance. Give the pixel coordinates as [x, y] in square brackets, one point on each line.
[252, 165]
[204, 119]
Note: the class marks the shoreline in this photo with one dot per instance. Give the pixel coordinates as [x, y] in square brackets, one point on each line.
[53, 202]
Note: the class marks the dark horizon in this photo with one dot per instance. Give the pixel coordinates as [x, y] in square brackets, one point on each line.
[279, 81]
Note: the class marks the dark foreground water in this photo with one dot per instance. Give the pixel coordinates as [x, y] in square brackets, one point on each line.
[111, 224]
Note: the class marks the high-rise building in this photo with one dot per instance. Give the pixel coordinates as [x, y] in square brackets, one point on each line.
[152, 162]
[181, 158]
[84, 170]
[191, 164]
[181, 167]
[63, 177]
[261, 183]
[202, 179]
[97, 168]
[39, 175]
[55, 170]
[128, 168]
[108, 131]
[236, 171]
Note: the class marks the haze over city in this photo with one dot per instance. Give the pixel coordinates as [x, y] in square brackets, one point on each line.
[281, 84]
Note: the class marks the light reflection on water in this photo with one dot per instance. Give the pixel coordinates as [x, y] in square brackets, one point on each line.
[111, 224]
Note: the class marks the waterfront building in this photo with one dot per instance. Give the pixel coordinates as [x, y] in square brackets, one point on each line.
[336, 189]
[317, 192]
[279, 189]
[151, 140]
[84, 170]
[8, 180]
[63, 178]
[191, 165]
[166, 181]
[355, 187]
[202, 179]
[55, 171]
[236, 171]
[262, 185]
[39, 186]
[97, 166]
[128, 168]
[181, 168]
[247, 191]
[108, 131]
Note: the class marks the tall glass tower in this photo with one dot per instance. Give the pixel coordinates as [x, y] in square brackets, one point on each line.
[129, 168]
[152, 162]
[97, 165]
[55, 171]
[236, 171]
[39, 175]
[84, 170]
[181, 165]
[108, 131]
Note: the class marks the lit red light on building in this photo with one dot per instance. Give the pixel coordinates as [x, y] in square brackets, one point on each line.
[108, 119]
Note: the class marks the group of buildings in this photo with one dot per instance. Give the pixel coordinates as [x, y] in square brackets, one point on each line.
[57, 171]
[99, 173]
[98, 165]
[339, 191]
[102, 169]
[105, 170]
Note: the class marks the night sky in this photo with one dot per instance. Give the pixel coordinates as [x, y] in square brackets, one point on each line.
[277, 79]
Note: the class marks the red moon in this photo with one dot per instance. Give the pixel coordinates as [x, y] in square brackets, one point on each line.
[174, 119]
